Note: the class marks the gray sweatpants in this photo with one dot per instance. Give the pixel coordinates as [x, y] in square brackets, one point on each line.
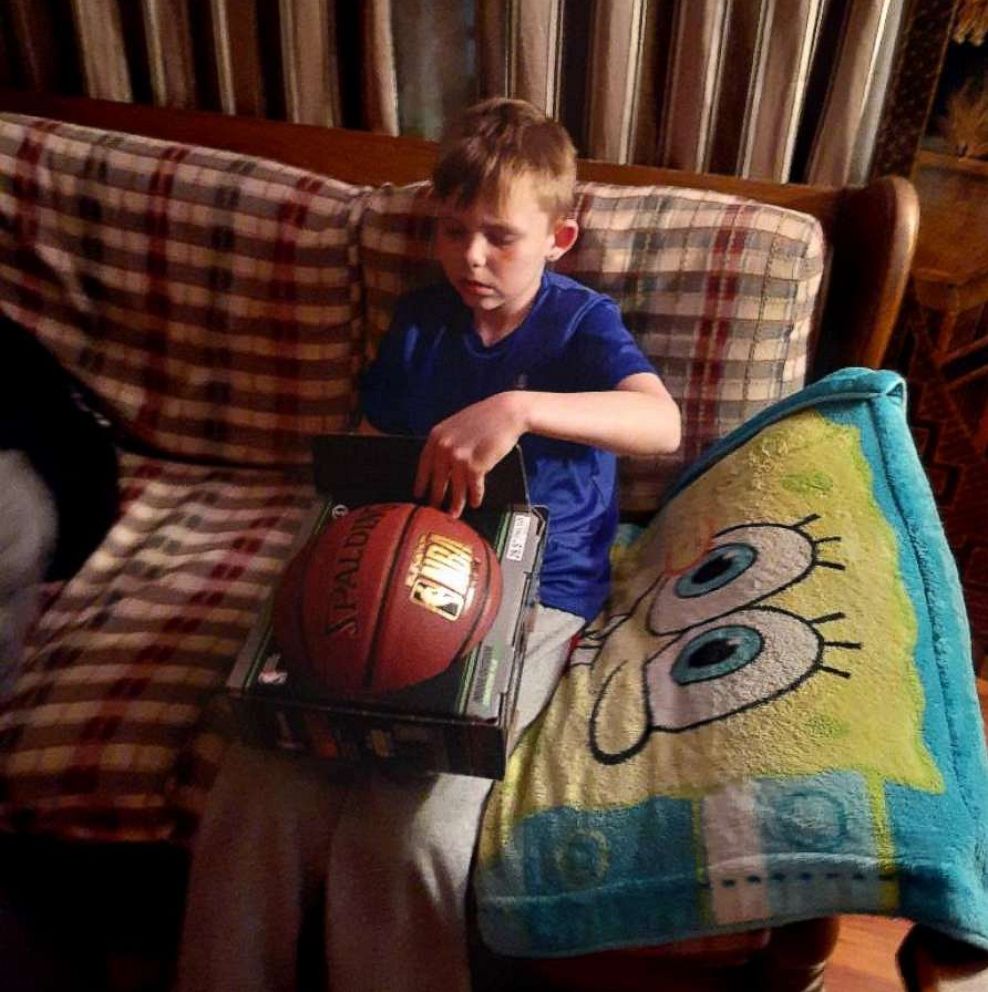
[394, 856]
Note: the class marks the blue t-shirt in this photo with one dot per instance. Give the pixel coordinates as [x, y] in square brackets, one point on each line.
[432, 364]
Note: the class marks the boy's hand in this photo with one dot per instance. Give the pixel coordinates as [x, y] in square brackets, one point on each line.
[463, 448]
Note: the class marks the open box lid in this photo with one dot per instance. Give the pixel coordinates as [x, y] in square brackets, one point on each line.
[353, 469]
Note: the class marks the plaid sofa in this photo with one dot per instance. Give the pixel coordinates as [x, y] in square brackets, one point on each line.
[220, 308]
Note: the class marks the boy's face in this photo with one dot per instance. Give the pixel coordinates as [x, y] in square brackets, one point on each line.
[494, 254]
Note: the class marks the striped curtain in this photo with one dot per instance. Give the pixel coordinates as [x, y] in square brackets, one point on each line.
[772, 89]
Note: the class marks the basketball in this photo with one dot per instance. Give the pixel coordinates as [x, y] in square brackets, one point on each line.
[386, 596]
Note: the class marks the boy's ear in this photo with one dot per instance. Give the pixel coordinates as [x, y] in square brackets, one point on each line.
[564, 237]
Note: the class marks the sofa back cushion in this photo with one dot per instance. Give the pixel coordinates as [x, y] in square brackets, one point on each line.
[208, 299]
[719, 291]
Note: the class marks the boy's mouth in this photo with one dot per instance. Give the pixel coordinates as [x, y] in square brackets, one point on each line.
[476, 287]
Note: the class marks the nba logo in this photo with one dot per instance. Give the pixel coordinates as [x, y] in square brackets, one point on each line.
[442, 576]
[438, 598]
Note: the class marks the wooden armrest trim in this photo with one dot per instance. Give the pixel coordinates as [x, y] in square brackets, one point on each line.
[933, 962]
[874, 240]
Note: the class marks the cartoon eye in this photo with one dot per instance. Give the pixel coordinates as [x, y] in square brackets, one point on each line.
[724, 668]
[744, 565]
[718, 567]
[717, 653]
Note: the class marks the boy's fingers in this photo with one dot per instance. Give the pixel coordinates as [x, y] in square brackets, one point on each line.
[476, 487]
[438, 484]
[458, 491]
[423, 472]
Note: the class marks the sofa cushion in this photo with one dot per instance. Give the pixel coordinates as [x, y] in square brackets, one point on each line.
[208, 299]
[719, 291]
[776, 718]
[129, 652]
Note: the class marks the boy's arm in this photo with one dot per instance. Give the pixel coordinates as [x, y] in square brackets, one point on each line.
[637, 417]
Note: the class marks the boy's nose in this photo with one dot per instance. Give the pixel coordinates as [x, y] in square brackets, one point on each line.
[475, 251]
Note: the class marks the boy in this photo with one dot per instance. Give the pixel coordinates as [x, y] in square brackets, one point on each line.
[504, 352]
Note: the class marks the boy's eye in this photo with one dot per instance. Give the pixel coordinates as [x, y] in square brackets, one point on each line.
[502, 240]
[450, 229]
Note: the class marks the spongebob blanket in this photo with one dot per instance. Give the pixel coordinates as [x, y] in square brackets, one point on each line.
[775, 719]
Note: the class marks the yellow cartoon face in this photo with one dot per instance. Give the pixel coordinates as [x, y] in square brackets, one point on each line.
[726, 651]
[760, 629]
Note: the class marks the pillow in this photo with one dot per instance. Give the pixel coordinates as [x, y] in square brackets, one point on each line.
[208, 299]
[774, 720]
[718, 290]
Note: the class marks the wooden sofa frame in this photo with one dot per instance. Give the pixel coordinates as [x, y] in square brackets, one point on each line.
[871, 234]
[870, 230]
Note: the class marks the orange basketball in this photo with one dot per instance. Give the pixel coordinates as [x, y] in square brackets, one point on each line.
[385, 597]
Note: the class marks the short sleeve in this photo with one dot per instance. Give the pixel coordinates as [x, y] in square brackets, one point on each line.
[605, 351]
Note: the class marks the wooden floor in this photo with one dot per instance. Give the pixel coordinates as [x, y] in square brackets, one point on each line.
[864, 960]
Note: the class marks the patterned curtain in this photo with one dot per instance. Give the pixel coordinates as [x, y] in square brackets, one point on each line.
[773, 89]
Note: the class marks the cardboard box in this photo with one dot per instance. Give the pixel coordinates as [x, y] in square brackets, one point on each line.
[455, 722]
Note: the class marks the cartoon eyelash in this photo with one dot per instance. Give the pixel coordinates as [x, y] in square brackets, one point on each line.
[817, 541]
[800, 524]
[833, 670]
[827, 617]
[849, 645]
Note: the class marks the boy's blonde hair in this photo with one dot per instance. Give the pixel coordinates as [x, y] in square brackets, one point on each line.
[496, 142]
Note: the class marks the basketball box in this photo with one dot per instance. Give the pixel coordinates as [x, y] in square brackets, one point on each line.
[457, 721]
